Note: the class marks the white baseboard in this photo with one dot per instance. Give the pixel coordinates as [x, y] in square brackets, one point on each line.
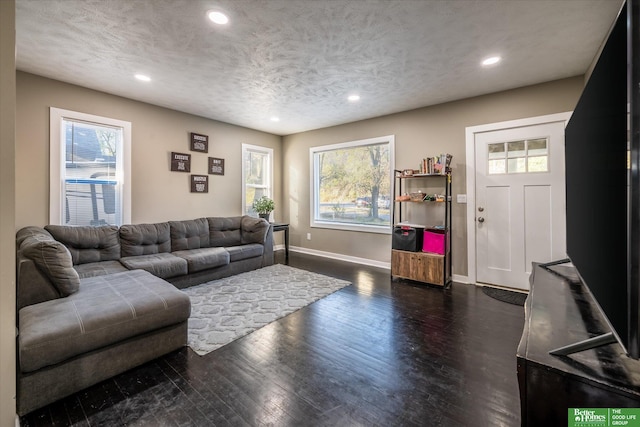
[461, 279]
[341, 257]
[365, 261]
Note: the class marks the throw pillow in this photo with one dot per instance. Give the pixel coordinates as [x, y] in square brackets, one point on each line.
[54, 260]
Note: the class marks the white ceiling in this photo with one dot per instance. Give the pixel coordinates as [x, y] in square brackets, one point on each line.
[300, 59]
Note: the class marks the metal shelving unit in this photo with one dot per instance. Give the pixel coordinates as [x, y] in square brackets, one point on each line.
[423, 266]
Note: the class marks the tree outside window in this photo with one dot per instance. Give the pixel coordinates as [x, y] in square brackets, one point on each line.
[352, 185]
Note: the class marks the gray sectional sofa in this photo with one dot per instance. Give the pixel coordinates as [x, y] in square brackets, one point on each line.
[93, 302]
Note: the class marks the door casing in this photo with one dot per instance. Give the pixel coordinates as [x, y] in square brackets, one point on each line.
[471, 131]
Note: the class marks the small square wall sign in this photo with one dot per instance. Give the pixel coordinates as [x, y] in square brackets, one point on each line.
[216, 166]
[199, 183]
[199, 142]
[180, 162]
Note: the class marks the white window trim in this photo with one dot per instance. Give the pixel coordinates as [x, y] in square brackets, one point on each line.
[57, 162]
[313, 205]
[269, 152]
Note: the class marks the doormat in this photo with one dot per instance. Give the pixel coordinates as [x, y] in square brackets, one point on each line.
[511, 297]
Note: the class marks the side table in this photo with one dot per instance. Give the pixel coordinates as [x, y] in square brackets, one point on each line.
[280, 226]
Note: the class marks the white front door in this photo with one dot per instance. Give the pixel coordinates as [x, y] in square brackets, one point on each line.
[519, 201]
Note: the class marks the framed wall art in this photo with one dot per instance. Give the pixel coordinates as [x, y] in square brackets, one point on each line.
[199, 142]
[216, 166]
[199, 183]
[180, 162]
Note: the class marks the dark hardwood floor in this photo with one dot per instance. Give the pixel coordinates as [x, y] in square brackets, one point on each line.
[377, 353]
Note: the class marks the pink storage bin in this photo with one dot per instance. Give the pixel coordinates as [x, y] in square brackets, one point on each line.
[433, 242]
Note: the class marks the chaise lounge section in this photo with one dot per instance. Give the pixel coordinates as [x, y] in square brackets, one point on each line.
[93, 302]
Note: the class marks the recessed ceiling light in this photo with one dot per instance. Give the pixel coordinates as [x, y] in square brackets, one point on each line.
[275, 119]
[491, 60]
[218, 17]
[143, 78]
[354, 98]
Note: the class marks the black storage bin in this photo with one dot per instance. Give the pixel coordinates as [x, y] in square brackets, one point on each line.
[407, 238]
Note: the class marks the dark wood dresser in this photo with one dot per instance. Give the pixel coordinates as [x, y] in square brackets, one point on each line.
[560, 311]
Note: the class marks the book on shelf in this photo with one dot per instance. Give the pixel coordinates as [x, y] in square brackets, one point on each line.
[438, 165]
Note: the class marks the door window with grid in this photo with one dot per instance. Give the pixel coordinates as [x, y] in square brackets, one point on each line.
[523, 156]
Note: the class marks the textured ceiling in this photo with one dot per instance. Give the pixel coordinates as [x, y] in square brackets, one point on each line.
[300, 59]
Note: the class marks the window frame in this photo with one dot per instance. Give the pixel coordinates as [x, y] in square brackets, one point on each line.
[57, 160]
[314, 185]
[269, 189]
[526, 156]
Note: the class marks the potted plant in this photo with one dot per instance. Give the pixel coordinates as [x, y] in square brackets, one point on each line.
[264, 206]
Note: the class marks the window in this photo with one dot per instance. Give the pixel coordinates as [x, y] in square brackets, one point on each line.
[351, 185]
[89, 169]
[257, 175]
[519, 156]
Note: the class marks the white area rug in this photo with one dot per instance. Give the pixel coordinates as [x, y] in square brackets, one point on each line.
[226, 309]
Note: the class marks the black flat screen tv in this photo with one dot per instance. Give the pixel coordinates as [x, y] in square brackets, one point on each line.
[602, 149]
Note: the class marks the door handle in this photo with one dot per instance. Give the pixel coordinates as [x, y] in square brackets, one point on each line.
[480, 219]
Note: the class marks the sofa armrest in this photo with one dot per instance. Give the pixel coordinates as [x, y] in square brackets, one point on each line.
[267, 256]
[32, 285]
[258, 230]
[253, 230]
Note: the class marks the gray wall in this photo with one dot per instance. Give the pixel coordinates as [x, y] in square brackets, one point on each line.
[418, 133]
[157, 193]
[7, 213]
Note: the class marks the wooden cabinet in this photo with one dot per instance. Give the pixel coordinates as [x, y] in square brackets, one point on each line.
[420, 266]
[426, 267]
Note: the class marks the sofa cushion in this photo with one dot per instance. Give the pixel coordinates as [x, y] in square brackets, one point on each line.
[189, 234]
[237, 253]
[54, 260]
[225, 231]
[31, 231]
[145, 239]
[204, 258]
[163, 265]
[101, 268]
[108, 309]
[253, 230]
[88, 244]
